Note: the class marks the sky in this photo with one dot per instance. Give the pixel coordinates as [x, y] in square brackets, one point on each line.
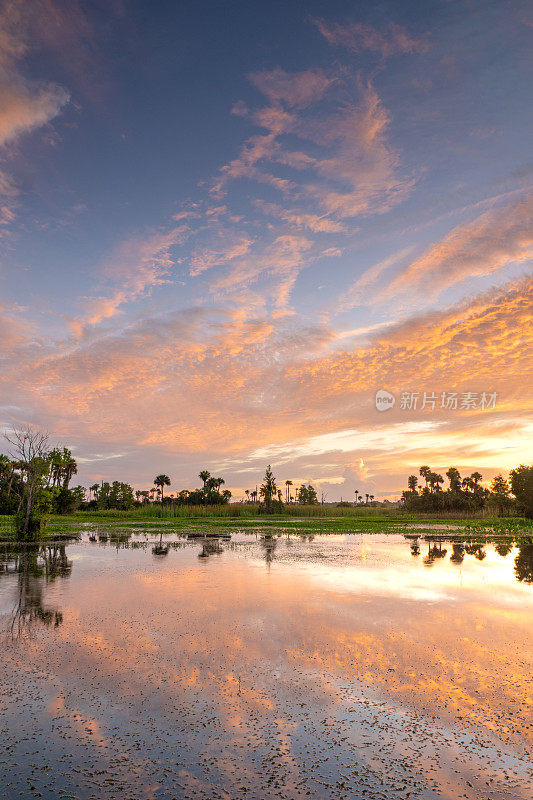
[224, 227]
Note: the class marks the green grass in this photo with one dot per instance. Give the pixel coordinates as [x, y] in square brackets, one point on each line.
[311, 519]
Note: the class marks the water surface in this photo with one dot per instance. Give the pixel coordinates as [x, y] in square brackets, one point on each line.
[359, 666]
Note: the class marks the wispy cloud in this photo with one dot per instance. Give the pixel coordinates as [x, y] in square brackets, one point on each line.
[135, 267]
[362, 291]
[223, 247]
[298, 89]
[356, 36]
[25, 104]
[501, 236]
[209, 379]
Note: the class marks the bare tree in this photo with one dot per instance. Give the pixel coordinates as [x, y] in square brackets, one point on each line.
[29, 447]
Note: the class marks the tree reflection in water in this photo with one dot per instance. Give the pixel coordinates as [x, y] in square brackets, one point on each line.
[415, 548]
[435, 551]
[35, 567]
[476, 550]
[504, 548]
[523, 564]
[458, 554]
[210, 547]
[269, 543]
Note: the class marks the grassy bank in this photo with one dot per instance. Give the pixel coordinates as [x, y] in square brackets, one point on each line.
[245, 511]
[244, 518]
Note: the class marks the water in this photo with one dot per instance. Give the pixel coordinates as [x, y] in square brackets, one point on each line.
[284, 667]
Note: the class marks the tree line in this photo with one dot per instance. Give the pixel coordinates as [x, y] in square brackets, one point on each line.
[122, 496]
[505, 496]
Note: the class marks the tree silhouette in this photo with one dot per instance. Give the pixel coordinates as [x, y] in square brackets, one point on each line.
[161, 481]
[288, 484]
[204, 476]
[522, 487]
[268, 488]
[425, 472]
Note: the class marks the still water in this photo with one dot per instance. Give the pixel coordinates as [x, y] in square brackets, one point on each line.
[361, 666]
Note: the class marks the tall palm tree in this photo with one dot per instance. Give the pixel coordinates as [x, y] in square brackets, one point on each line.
[467, 483]
[476, 477]
[161, 481]
[94, 489]
[437, 480]
[204, 476]
[371, 499]
[70, 468]
[56, 466]
[288, 484]
[356, 493]
[425, 472]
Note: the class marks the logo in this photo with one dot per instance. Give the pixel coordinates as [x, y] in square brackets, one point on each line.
[384, 400]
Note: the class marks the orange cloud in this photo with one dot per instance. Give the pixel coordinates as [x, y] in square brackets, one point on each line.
[25, 106]
[501, 236]
[245, 389]
[226, 247]
[355, 170]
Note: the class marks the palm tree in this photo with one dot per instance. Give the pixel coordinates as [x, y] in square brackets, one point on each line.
[371, 499]
[476, 477]
[367, 496]
[467, 483]
[204, 476]
[247, 493]
[94, 489]
[412, 483]
[70, 468]
[437, 480]
[161, 481]
[356, 493]
[425, 472]
[56, 466]
[288, 484]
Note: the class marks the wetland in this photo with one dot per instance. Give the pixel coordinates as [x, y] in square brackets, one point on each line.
[266, 663]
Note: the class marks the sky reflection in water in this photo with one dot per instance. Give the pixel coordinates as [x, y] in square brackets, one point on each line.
[293, 667]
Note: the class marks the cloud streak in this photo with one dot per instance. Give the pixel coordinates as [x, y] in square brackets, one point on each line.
[500, 236]
[357, 37]
[137, 265]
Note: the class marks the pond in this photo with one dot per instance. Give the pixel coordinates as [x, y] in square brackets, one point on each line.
[278, 666]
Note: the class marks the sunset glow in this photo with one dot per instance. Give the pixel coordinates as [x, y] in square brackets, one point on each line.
[225, 228]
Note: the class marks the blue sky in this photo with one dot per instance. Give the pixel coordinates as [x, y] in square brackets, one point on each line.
[224, 228]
